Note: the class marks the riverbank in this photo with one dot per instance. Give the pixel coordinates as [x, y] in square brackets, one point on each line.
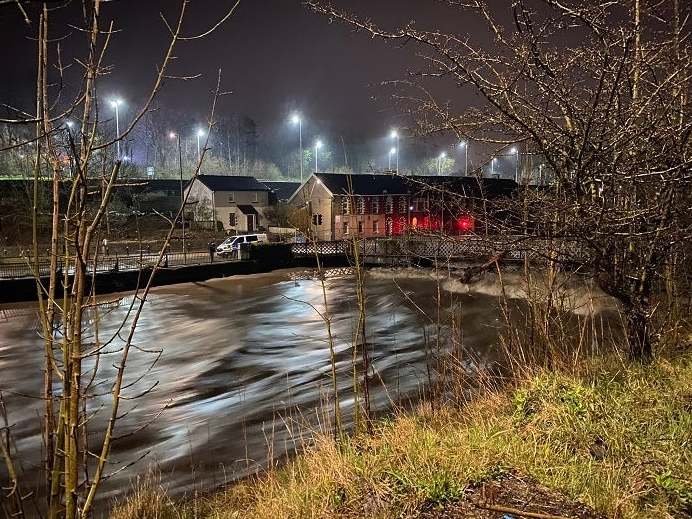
[606, 439]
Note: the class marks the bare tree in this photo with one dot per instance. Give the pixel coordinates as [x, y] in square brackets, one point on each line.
[76, 162]
[600, 91]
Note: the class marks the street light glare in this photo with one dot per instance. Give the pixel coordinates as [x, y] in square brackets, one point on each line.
[443, 155]
[462, 144]
[512, 150]
[318, 144]
[392, 151]
[200, 132]
[172, 135]
[395, 134]
[295, 118]
[69, 124]
[116, 102]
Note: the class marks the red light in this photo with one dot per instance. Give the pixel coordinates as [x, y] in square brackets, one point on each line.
[465, 223]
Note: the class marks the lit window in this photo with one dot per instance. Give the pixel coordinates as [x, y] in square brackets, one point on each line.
[376, 227]
[345, 227]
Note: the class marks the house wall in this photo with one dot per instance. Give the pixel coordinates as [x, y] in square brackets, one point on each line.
[226, 203]
[202, 195]
[320, 203]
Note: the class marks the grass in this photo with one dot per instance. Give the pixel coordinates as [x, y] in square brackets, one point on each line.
[616, 438]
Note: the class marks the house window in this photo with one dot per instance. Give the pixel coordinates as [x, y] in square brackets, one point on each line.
[376, 227]
[360, 227]
[256, 198]
[361, 205]
[345, 227]
[388, 226]
[345, 205]
[232, 219]
[402, 205]
[231, 198]
[375, 205]
[389, 205]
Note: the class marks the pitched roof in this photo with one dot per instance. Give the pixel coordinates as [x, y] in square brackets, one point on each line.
[231, 183]
[367, 184]
[283, 189]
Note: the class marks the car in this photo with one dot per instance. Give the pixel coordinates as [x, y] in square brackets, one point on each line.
[232, 244]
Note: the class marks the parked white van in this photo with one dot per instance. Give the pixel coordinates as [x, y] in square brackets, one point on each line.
[232, 244]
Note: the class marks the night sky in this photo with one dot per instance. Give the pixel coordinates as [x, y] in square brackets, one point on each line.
[276, 56]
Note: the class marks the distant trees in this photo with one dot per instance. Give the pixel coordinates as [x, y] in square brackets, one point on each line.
[600, 90]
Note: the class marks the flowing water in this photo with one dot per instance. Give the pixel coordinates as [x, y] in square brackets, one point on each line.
[241, 368]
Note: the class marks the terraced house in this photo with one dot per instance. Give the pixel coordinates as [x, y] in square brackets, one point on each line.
[341, 205]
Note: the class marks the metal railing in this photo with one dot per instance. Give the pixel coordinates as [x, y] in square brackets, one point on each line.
[24, 267]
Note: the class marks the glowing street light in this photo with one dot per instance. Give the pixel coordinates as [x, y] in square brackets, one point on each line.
[442, 156]
[200, 133]
[515, 151]
[318, 145]
[296, 119]
[176, 136]
[395, 137]
[115, 103]
[392, 152]
[464, 144]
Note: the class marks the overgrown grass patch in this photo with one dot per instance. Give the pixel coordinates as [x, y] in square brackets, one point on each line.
[617, 438]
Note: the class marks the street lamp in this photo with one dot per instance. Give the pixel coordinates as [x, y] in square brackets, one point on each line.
[492, 166]
[392, 152]
[515, 151]
[464, 144]
[115, 103]
[439, 163]
[174, 135]
[200, 134]
[318, 145]
[395, 136]
[297, 119]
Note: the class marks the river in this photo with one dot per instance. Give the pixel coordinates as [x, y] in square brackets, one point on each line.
[242, 368]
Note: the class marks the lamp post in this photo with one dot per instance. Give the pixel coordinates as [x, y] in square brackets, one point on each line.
[515, 151]
[389, 157]
[318, 145]
[176, 136]
[296, 119]
[115, 103]
[492, 166]
[200, 134]
[439, 163]
[464, 144]
[395, 137]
